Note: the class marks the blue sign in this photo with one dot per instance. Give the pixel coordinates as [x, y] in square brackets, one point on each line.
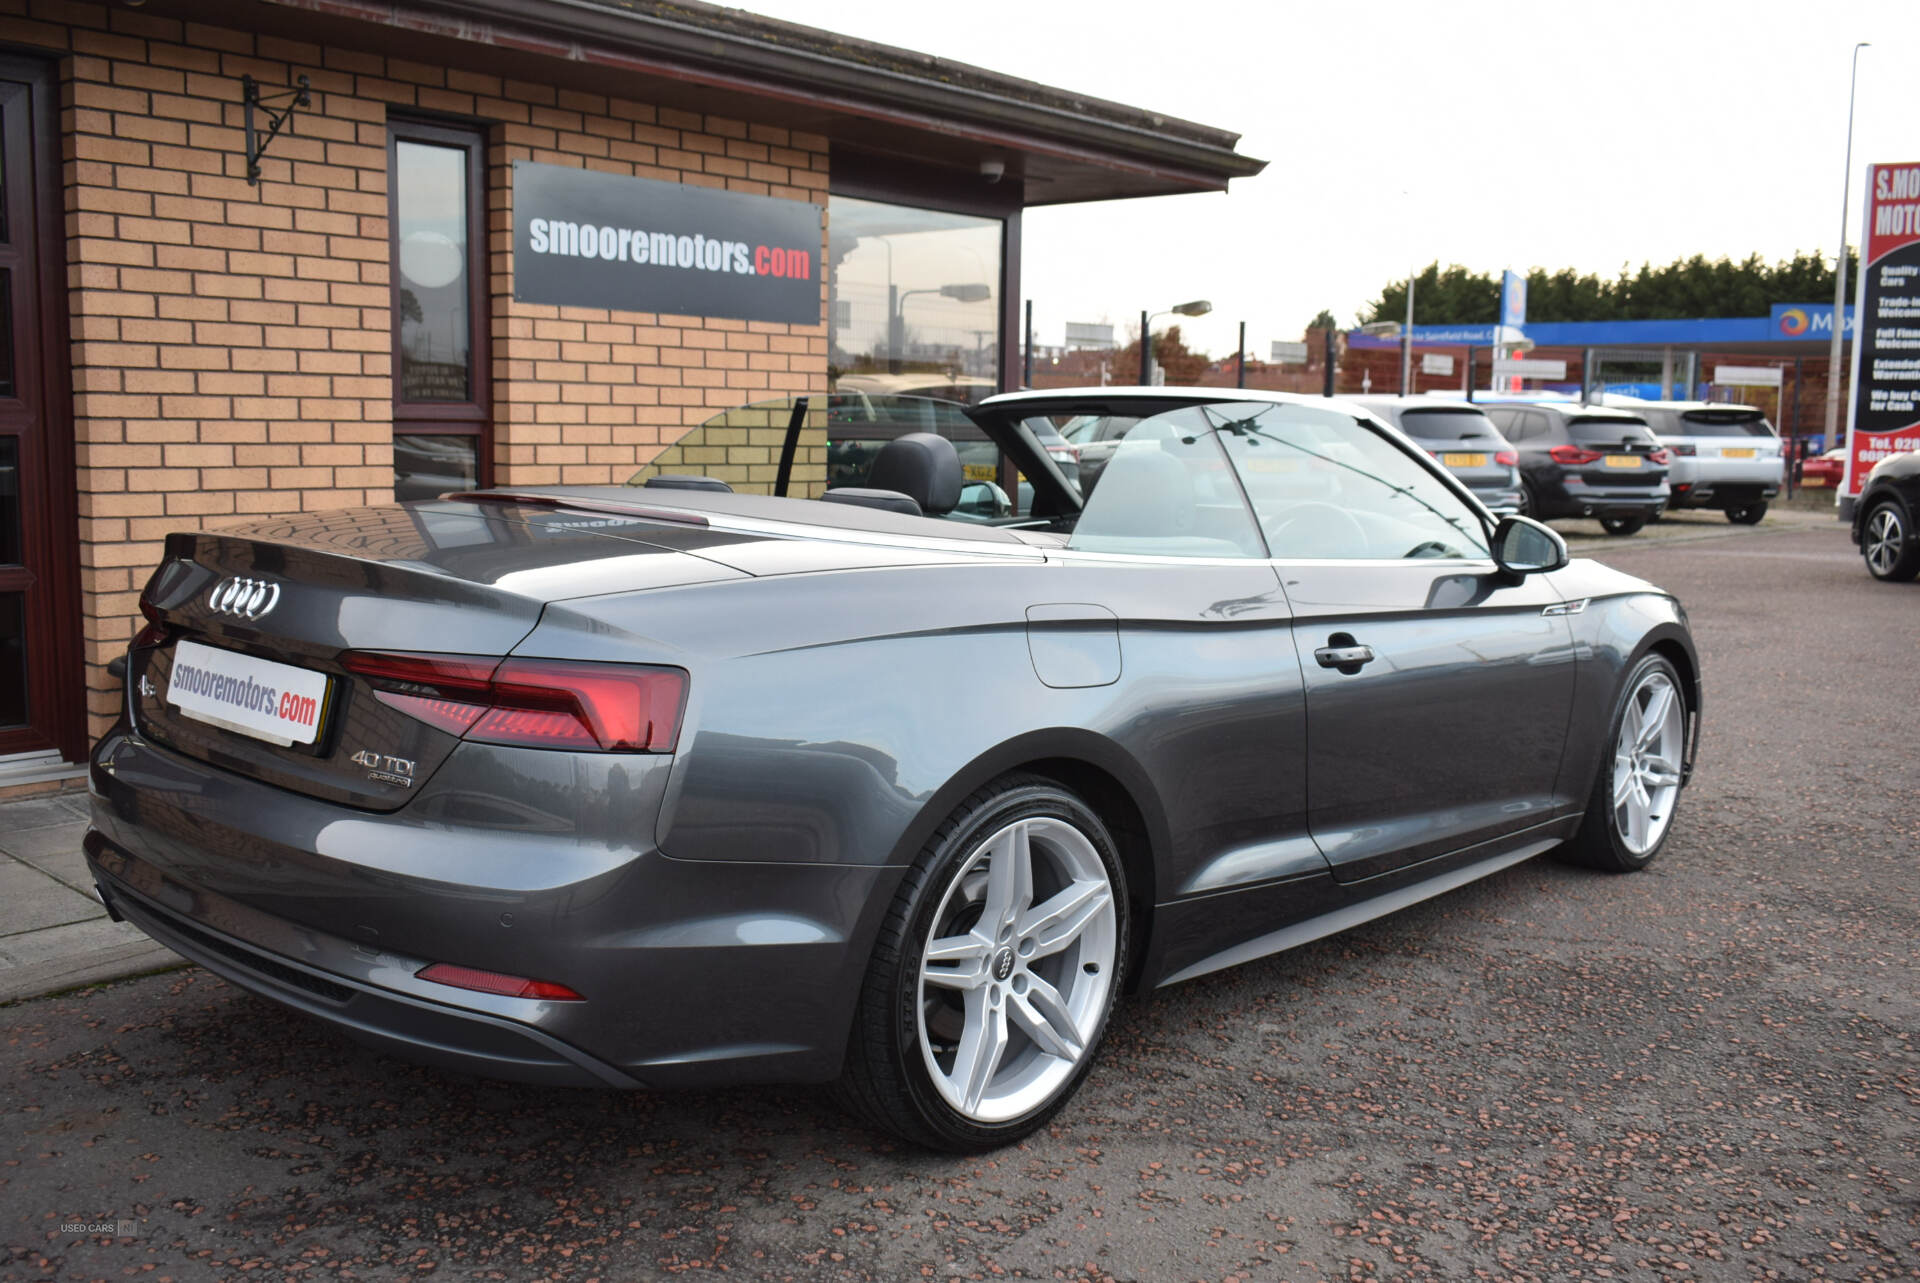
[1695, 332]
[1808, 321]
[1513, 299]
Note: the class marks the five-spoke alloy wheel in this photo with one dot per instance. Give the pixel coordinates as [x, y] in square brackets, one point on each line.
[995, 973]
[1892, 552]
[1631, 810]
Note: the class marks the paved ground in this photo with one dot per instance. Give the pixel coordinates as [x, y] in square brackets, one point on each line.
[53, 933]
[1704, 1071]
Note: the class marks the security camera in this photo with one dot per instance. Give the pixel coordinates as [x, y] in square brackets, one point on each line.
[993, 170]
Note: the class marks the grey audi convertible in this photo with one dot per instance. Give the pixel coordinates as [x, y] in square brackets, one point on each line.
[737, 775]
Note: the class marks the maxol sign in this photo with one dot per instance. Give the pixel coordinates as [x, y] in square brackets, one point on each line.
[586, 239]
[1807, 321]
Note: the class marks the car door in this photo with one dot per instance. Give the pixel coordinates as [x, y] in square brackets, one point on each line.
[1438, 690]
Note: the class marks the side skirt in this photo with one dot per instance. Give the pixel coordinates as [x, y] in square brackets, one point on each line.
[1352, 915]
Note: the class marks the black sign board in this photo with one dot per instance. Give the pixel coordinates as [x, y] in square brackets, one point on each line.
[586, 239]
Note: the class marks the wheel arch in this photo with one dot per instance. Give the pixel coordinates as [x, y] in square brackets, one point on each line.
[1101, 772]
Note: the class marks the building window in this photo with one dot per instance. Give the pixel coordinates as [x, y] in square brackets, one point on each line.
[916, 300]
[441, 401]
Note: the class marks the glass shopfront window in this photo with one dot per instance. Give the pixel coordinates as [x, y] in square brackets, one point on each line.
[440, 386]
[915, 301]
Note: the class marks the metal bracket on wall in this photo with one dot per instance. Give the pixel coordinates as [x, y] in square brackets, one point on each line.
[277, 116]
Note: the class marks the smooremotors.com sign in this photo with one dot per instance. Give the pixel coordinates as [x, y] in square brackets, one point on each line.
[587, 239]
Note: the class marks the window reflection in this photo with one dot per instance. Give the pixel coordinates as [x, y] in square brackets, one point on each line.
[428, 465]
[915, 301]
[10, 550]
[13, 659]
[431, 189]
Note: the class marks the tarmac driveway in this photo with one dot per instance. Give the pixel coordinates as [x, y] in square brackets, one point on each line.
[1704, 1071]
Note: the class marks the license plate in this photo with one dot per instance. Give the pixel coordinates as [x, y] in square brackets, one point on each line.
[1737, 454]
[1272, 465]
[982, 472]
[1464, 460]
[277, 703]
[1623, 461]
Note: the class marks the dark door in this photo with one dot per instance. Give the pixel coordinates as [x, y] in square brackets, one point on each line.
[1437, 694]
[1451, 733]
[39, 678]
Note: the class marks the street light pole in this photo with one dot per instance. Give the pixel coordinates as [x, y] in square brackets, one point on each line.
[1840, 267]
[1406, 341]
[1240, 359]
[1198, 307]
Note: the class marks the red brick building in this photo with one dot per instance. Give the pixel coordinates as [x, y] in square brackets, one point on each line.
[196, 334]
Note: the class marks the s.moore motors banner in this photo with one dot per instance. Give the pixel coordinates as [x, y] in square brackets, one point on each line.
[586, 239]
[1884, 417]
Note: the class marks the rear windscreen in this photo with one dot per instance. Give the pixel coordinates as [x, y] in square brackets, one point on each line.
[1609, 431]
[1723, 423]
[1446, 425]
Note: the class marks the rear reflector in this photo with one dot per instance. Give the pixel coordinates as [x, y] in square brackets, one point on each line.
[445, 973]
[532, 703]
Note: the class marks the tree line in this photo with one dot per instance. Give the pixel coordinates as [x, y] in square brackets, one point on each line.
[1687, 287]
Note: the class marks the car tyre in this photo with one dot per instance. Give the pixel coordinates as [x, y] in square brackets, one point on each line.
[1747, 514]
[1529, 502]
[1888, 543]
[988, 992]
[1630, 811]
[1622, 526]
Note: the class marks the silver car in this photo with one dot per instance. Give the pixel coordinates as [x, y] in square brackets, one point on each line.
[1724, 456]
[1463, 439]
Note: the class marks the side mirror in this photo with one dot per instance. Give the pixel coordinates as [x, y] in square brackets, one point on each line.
[1522, 546]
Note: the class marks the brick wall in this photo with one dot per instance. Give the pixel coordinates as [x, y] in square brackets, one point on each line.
[582, 395]
[231, 344]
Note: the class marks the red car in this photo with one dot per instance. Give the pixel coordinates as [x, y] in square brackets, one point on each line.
[1826, 470]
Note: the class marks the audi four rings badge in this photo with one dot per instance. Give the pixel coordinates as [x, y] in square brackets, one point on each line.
[246, 599]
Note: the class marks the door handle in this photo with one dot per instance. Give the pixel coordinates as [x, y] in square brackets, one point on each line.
[1344, 653]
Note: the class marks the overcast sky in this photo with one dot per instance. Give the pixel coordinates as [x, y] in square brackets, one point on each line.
[1579, 135]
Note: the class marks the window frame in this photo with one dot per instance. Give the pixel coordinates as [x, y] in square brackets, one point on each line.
[472, 417]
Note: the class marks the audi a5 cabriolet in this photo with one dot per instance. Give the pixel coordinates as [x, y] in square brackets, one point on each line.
[675, 784]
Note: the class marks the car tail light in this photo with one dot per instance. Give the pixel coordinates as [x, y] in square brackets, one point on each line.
[445, 973]
[1068, 453]
[1573, 454]
[1684, 451]
[1661, 456]
[1507, 458]
[532, 703]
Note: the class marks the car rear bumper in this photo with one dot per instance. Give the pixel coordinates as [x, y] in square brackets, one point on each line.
[1574, 497]
[692, 972]
[431, 1033]
[1720, 483]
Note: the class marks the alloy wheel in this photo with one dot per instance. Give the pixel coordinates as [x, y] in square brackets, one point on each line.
[1646, 762]
[1886, 539]
[1017, 969]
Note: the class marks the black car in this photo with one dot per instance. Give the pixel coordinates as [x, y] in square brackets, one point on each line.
[1587, 461]
[1462, 438]
[1884, 519]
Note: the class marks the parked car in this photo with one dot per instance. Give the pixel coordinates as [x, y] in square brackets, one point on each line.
[1825, 469]
[1095, 436]
[1586, 461]
[1886, 520]
[671, 785]
[1724, 456]
[1464, 440]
